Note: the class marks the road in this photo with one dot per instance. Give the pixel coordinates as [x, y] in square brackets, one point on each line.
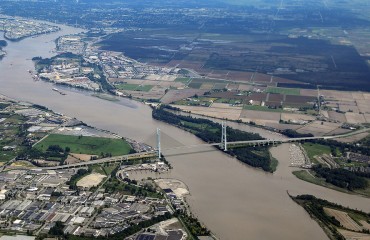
[153, 154]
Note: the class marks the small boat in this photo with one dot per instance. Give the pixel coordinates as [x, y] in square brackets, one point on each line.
[60, 92]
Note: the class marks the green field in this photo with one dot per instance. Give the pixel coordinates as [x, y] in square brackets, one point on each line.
[129, 87]
[195, 85]
[86, 145]
[183, 80]
[135, 87]
[288, 91]
[313, 149]
[144, 88]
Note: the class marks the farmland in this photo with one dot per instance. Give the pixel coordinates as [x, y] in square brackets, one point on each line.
[135, 87]
[288, 91]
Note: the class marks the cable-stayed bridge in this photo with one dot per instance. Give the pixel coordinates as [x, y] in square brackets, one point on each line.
[224, 145]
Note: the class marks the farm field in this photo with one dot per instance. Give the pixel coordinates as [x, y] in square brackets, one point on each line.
[319, 128]
[262, 108]
[296, 117]
[290, 91]
[354, 235]
[253, 115]
[221, 113]
[86, 145]
[134, 87]
[344, 219]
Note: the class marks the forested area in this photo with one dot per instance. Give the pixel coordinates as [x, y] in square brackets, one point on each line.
[341, 178]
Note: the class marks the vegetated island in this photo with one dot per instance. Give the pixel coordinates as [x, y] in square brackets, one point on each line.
[210, 132]
[338, 222]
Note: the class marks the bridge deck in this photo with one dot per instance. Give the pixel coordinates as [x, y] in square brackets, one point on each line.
[151, 154]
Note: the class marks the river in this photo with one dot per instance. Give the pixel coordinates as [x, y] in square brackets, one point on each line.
[233, 200]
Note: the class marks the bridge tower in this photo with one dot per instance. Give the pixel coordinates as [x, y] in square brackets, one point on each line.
[159, 143]
[223, 137]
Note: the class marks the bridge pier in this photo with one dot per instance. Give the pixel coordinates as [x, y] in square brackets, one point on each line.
[223, 137]
[159, 143]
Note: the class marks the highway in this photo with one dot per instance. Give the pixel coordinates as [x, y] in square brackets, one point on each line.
[153, 154]
[123, 158]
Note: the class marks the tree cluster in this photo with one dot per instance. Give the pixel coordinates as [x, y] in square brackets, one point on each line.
[341, 178]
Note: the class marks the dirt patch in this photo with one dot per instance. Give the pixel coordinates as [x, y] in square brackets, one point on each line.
[82, 157]
[91, 180]
[178, 187]
[71, 160]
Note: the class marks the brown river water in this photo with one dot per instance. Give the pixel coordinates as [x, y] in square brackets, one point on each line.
[233, 200]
